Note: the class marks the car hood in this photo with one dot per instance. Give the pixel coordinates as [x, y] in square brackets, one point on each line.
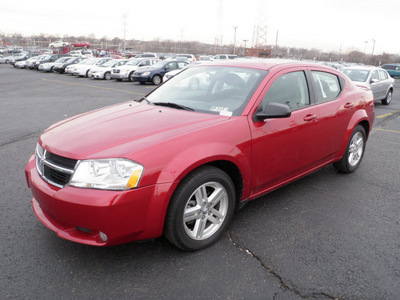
[120, 130]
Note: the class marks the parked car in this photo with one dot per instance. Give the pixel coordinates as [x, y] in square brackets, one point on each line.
[204, 58]
[376, 79]
[126, 71]
[146, 55]
[75, 53]
[20, 56]
[104, 71]
[189, 57]
[82, 70]
[392, 69]
[60, 68]
[29, 64]
[49, 67]
[81, 45]
[47, 59]
[70, 68]
[225, 56]
[155, 73]
[180, 160]
[58, 44]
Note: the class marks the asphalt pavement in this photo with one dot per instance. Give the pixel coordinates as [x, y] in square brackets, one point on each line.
[326, 236]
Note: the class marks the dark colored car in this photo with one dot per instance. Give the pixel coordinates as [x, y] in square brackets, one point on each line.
[178, 161]
[46, 59]
[392, 69]
[61, 68]
[156, 72]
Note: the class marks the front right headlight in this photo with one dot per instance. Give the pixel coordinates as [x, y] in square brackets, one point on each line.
[107, 174]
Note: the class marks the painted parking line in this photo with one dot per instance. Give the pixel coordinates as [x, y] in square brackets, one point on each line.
[386, 130]
[93, 86]
[387, 115]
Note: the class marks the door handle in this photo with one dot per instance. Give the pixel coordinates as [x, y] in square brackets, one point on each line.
[348, 105]
[310, 117]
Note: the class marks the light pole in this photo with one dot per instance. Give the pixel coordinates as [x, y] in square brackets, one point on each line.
[245, 42]
[373, 47]
[234, 39]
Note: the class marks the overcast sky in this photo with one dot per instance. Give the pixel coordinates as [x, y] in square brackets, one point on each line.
[332, 25]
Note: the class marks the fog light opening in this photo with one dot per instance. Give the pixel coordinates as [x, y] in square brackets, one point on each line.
[103, 236]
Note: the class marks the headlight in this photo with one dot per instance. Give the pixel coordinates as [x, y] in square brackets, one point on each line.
[107, 174]
[145, 74]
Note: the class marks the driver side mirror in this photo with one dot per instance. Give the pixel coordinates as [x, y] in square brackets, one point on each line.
[272, 110]
[374, 80]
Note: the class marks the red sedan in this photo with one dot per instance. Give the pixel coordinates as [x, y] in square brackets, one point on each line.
[81, 45]
[179, 161]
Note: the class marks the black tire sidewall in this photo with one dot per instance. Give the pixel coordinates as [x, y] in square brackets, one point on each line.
[175, 231]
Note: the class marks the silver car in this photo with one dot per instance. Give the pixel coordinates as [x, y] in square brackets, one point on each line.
[376, 79]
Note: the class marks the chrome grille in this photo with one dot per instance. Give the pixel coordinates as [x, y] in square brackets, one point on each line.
[54, 169]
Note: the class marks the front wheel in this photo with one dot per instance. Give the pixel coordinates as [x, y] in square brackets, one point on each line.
[200, 209]
[354, 152]
[107, 76]
[157, 79]
[388, 98]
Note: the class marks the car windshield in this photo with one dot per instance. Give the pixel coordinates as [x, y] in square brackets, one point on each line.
[108, 63]
[62, 59]
[83, 62]
[357, 74]
[159, 65]
[91, 61]
[210, 89]
[133, 62]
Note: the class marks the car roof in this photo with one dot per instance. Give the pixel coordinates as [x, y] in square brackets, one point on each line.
[263, 64]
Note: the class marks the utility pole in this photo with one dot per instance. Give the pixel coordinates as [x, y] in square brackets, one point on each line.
[245, 42]
[234, 39]
[124, 17]
[373, 47]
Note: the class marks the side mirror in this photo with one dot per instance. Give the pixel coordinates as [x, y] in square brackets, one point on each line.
[273, 110]
[374, 80]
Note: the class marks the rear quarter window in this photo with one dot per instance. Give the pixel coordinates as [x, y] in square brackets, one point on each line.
[327, 86]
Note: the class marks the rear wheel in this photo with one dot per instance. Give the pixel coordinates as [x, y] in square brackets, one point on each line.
[354, 152]
[200, 209]
[388, 98]
[130, 76]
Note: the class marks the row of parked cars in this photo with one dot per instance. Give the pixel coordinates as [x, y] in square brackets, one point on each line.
[141, 69]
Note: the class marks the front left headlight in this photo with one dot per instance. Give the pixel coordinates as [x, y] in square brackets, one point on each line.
[107, 174]
[145, 74]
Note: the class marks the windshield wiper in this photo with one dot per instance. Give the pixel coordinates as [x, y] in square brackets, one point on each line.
[173, 105]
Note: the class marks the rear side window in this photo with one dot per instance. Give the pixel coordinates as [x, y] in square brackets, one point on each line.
[327, 86]
[383, 75]
[290, 89]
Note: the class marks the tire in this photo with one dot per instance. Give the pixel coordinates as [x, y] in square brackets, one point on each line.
[200, 209]
[107, 76]
[388, 98]
[354, 153]
[130, 76]
[87, 74]
[156, 79]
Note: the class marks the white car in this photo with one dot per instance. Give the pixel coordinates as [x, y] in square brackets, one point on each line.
[187, 57]
[70, 69]
[104, 71]
[58, 44]
[23, 63]
[83, 70]
[126, 71]
[48, 67]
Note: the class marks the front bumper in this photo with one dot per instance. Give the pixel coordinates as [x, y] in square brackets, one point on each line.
[81, 215]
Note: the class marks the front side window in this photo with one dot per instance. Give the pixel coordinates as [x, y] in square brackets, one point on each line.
[290, 89]
[327, 86]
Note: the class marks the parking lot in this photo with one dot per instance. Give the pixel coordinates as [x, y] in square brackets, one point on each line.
[325, 236]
